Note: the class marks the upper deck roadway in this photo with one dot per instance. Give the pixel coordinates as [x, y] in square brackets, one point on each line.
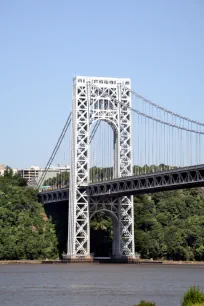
[180, 178]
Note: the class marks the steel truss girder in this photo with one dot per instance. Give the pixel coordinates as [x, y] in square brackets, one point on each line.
[92, 103]
[187, 177]
[169, 180]
[52, 196]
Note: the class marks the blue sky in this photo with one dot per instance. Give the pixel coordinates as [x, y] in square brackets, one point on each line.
[43, 44]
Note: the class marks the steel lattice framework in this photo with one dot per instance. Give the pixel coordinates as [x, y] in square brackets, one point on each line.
[95, 99]
[187, 177]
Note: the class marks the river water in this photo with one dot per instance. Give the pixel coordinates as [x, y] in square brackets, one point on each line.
[96, 284]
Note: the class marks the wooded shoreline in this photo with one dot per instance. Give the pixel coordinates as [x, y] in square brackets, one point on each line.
[141, 261]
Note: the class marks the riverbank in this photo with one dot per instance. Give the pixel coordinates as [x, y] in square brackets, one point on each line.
[172, 262]
[9, 262]
[103, 261]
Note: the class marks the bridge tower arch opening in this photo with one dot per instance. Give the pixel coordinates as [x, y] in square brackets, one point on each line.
[103, 163]
[99, 99]
[104, 233]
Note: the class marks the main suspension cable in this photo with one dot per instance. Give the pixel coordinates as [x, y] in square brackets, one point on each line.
[56, 148]
[162, 108]
[153, 118]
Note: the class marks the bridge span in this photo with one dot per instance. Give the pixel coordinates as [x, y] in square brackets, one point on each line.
[187, 177]
[115, 133]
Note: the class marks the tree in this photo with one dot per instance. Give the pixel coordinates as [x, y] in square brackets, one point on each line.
[25, 231]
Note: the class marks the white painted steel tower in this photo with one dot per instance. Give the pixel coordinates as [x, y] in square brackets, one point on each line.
[97, 98]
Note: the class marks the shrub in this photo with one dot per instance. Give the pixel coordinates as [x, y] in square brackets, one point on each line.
[193, 296]
[145, 303]
[197, 304]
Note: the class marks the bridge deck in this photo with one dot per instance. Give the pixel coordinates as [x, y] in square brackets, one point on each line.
[180, 178]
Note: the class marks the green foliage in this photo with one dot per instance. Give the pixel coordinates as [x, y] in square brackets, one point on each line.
[11, 179]
[145, 303]
[100, 174]
[170, 225]
[96, 174]
[101, 234]
[25, 231]
[150, 169]
[192, 297]
[60, 179]
[196, 304]
[101, 221]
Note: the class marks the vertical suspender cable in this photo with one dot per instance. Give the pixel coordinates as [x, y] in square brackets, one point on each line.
[164, 142]
[191, 161]
[197, 145]
[138, 141]
[153, 162]
[178, 146]
[161, 139]
[145, 140]
[145, 145]
[157, 151]
[173, 145]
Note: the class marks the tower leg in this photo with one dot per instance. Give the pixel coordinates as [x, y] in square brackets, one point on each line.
[126, 227]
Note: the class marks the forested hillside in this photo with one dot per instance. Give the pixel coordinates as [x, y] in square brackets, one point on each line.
[25, 231]
[170, 225]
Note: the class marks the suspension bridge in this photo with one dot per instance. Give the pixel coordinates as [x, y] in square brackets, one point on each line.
[119, 144]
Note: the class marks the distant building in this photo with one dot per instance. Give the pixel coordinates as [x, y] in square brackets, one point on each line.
[34, 173]
[3, 169]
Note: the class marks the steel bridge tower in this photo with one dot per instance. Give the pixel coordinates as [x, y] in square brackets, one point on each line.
[96, 98]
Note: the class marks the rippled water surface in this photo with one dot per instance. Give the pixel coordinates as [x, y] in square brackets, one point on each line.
[96, 284]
